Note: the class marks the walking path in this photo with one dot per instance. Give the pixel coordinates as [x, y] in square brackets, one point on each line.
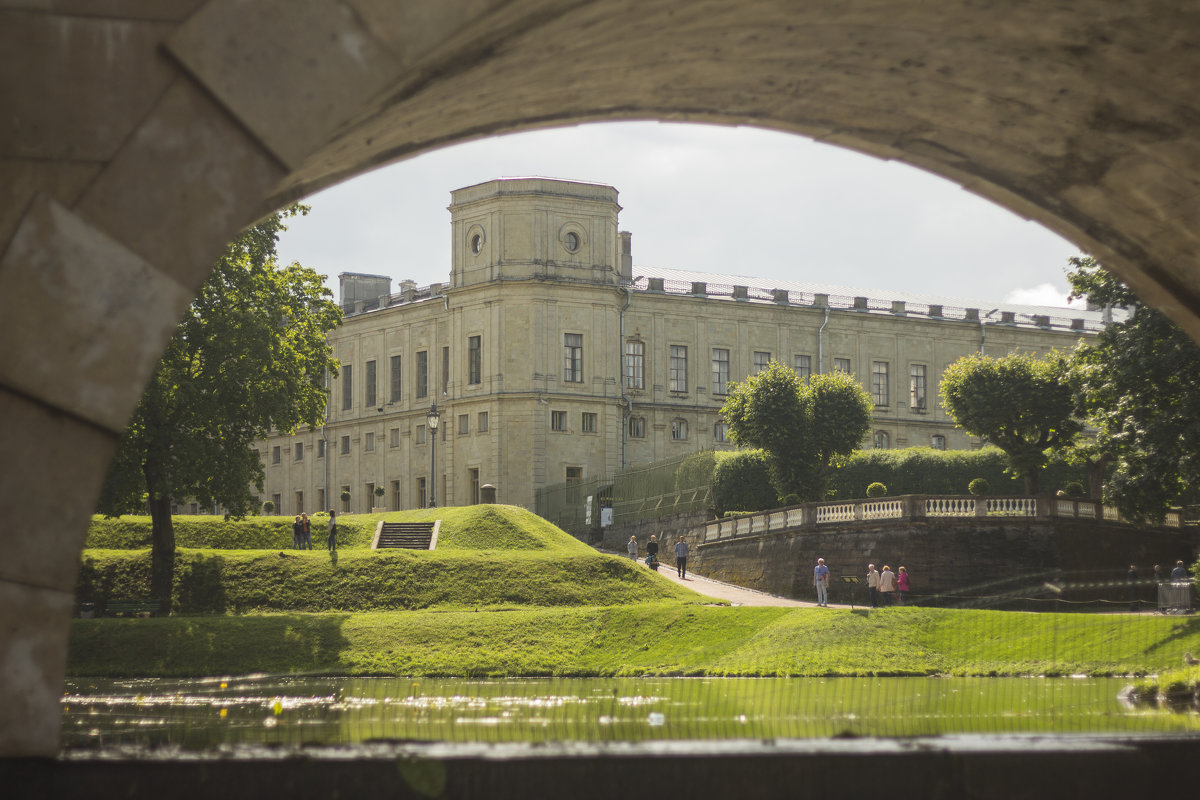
[737, 595]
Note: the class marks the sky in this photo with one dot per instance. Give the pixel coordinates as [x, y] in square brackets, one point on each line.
[727, 200]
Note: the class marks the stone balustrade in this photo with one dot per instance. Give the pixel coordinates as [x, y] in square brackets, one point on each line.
[911, 507]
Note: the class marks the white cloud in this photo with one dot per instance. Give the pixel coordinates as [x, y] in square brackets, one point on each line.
[1044, 294]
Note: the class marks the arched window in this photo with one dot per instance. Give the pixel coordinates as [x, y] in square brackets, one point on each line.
[720, 432]
[938, 442]
[637, 427]
[679, 429]
[882, 440]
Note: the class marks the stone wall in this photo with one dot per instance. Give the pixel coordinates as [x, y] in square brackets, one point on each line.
[949, 560]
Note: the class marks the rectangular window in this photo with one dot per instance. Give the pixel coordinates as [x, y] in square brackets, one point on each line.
[394, 437]
[369, 442]
[370, 495]
[679, 368]
[345, 495]
[464, 424]
[473, 485]
[320, 499]
[637, 427]
[275, 458]
[558, 420]
[841, 365]
[423, 373]
[679, 429]
[916, 387]
[422, 494]
[395, 495]
[347, 387]
[879, 382]
[345, 445]
[803, 367]
[370, 388]
[937, 442]
[635, 365]
[483, 422]
[277, 499]
[573, 357]
[720, 371]
[421, 436]
[588, 423]
[475, 360]
[761, 360]
[299, 449]
[321, 454]
[574, 474]
[396, 381]
[720, 432]
[445, 371]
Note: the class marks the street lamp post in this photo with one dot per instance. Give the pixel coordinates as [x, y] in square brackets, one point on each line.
[433, 418]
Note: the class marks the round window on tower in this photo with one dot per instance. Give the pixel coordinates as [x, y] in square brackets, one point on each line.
[476, 243]
[571, 242]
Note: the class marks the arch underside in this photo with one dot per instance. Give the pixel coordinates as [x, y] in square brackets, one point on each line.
[141, 136]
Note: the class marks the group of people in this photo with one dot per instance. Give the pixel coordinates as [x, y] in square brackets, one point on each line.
[681, 553]
[885, 588]
[302, 532]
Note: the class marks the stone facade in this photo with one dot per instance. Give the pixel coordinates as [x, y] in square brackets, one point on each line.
[550, 357]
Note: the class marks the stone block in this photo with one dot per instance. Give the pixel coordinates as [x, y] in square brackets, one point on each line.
[186, 182]
[21, 179]
[33, 661]
[55, 467]
[292, 71]
[163, 10]
[74, 87]
[91, 316]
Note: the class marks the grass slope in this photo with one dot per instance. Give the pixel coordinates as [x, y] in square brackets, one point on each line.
[664, 638]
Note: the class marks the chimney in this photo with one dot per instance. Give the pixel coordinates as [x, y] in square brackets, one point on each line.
[625, 263]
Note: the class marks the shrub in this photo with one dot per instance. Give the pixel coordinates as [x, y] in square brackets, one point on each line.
[268, 507]
[877, 489]
[345, 495]
[1073, 489]
[742, 482]
[978, 487]
[790, 500]
[695, 471]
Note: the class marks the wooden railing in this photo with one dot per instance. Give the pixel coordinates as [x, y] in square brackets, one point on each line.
[815, 515]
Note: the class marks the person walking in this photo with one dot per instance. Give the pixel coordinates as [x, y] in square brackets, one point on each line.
[332, 541]
[1132, 577]
[901, 584]
[297, 533]
[821, 581]
[873, 585]
[887, 586]
[306, 530]
[652, 553]
[681, 551]
[632, 547]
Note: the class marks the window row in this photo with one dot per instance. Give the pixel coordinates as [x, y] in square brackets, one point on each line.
[882, 440]
[421, 376]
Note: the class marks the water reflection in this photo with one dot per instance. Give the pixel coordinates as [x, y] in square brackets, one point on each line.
[203, 714]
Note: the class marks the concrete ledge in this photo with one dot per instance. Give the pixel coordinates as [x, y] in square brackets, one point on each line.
[938, 768]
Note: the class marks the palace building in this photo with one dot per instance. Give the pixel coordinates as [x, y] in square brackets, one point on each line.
[550, 358]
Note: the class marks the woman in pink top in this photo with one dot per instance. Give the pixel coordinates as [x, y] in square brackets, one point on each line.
[902, 584]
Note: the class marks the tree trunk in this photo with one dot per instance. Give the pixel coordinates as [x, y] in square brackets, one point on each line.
[162, 549]
[1032, 484]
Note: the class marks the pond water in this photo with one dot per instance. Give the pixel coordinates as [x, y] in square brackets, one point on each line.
[209, 713]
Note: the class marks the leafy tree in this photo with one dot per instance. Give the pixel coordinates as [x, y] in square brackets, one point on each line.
[249, 356]
[1140, 390]
[800, 427]
[1023, 404]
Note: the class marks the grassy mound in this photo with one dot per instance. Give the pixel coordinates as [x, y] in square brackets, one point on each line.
[224, 581]
[664, 638]
[482, 527]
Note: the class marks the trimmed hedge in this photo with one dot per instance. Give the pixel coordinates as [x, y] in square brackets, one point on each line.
[742, 482]
[214, 532]
[923, 470]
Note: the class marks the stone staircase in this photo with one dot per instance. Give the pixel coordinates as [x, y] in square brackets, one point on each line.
[406, 535]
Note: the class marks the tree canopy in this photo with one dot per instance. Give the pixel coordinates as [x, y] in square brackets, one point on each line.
[801, 427]
[1139, 388]
[250, 356]
[1023, 404]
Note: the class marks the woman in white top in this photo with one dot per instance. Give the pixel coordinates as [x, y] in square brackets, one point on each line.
[632, 547]
[887, 586]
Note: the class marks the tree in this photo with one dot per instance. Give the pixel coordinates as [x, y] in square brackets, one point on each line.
[1139, 387]
[1023, 404]
[800, 427]
[249, 356]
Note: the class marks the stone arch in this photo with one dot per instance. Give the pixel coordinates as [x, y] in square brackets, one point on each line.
[140, 136]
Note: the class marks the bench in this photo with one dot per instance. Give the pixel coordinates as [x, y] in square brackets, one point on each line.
[130, 608]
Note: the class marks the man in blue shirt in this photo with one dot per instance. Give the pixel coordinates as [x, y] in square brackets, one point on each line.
[681, 550]
[821, 581]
